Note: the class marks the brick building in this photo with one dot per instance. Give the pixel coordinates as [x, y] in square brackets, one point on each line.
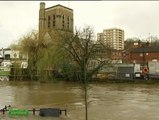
[116, 56]
[143, 55]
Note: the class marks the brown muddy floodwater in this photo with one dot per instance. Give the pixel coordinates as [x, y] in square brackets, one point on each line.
[107, 101]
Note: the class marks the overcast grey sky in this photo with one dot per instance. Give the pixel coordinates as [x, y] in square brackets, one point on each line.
[136, 18]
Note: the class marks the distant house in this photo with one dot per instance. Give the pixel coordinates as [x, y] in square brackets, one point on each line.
[9, 61]
[140, 52]
[143, 55]
[9, 55]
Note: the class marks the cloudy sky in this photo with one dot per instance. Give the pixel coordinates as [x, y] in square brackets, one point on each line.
[136, 18]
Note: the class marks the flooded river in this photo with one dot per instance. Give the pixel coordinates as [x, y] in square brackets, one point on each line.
[106, 101]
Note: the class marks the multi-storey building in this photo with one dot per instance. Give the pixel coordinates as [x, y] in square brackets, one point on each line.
[113, 38]
[57, 17]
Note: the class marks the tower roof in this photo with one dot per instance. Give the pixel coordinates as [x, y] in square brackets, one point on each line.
[58, 5]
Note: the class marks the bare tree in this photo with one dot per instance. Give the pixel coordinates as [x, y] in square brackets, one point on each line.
[81, 50]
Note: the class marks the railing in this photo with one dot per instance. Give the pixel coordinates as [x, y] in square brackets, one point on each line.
[54, 112]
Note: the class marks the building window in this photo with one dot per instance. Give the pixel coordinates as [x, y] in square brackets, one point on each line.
[48, 21]
[134, 61]
[7, 56]
[68, 19]
[63, 21]
[154, 60]
[53, 20]
[141, 54]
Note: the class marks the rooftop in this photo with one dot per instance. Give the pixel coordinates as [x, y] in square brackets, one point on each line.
[113, 29]
[58, 5]
[144, 49]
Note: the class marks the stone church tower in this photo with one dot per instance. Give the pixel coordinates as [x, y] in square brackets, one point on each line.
[41, 19]
[57, 17]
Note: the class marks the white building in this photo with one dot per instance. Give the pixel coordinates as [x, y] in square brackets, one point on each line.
[113, 38]
[9, 54]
